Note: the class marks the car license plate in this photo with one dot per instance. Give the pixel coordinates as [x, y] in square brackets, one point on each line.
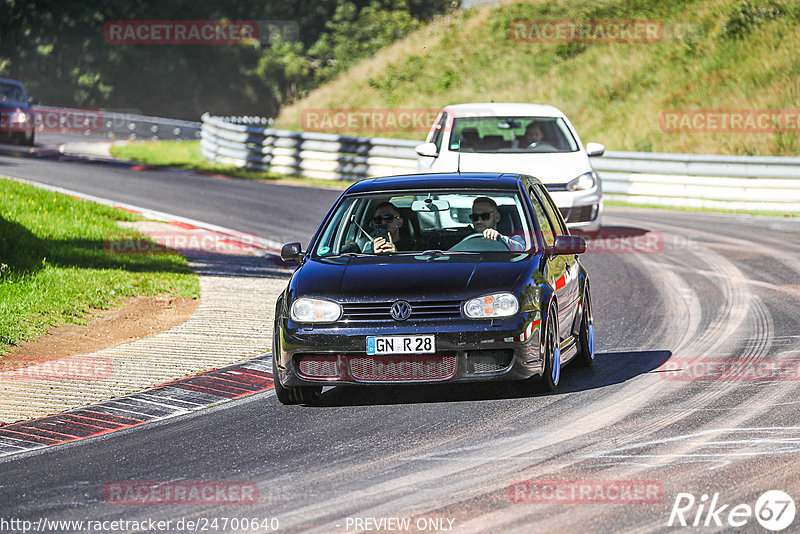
[401, 344]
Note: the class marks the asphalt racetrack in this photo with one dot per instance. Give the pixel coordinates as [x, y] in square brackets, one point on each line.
[681, 299]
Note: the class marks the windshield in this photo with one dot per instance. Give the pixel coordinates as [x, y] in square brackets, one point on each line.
[512, 135]
[438, 221]
[11, 93]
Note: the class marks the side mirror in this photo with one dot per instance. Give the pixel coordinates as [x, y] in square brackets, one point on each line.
[595, 149]
[291, 252]
[33, 101]
[567, 244]
[427, 149]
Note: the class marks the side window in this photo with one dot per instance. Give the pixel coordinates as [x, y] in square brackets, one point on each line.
[437, 132]
[558, 223]
[541, 219]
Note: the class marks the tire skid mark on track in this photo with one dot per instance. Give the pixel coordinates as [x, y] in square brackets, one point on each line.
[168, 400]
[739, 308]
[739, 305]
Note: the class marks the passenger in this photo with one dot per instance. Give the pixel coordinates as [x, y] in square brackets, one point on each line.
[485, 217]
[387, 215]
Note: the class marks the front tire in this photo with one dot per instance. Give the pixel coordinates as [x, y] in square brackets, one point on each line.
[291, 395]
[552, 354]
[585, 356]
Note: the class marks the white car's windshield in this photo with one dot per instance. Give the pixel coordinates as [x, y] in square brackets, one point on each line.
[511, 135]
[445, 221]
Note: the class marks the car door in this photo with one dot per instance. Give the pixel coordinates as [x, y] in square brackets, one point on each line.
[562, 269]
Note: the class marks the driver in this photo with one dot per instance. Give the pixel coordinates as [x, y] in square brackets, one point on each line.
[484, 219]
[533, 135]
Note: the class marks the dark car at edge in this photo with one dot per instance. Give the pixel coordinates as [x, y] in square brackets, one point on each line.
[17, 122]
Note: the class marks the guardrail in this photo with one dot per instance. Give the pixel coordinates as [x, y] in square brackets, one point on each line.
[756, 183]
[315, 155]
[685, 180]
[113, 124]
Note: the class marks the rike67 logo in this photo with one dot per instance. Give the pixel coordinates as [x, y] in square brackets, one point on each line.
[774, 510]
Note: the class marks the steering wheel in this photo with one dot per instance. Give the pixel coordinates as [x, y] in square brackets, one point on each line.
[469, 244]
[542, 144]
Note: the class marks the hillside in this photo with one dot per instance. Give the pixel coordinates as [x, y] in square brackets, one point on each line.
[720, 55]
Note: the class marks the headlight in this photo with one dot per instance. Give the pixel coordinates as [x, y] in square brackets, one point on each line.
[582, 182]
[19, 117]
[488, 306]
[305, 310]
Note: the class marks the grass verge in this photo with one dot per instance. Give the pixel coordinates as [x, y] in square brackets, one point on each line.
[54, 267]
[698, 210]
[186, 155]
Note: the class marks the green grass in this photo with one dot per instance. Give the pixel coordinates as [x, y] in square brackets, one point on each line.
[730, 55]
[53, 266]
[698, 210]
[186, 155]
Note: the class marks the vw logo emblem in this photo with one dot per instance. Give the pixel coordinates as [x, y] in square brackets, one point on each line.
[401, 310]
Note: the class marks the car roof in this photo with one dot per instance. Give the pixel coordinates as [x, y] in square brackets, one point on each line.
[467, 180]
[11, 82]
[505, 109]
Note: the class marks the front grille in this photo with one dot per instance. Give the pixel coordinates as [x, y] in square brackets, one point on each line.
[402, 368]
[489, 361]
[319, 367]
[577, 214]
[421, 310]
[393, 368]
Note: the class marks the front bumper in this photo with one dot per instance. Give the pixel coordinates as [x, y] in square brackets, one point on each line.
[466, 351]
[581, 210]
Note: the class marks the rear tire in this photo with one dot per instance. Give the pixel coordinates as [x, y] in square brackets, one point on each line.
[552, 354]
[585, 356]
[291, 395]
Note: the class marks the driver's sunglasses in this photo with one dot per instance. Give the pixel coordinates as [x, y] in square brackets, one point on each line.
[384, 219]
[482, 216]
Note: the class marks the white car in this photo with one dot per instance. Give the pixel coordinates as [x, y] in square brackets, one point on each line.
[529, 139]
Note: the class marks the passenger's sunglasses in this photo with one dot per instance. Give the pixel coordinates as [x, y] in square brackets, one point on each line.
[482, 216]
[384, 219]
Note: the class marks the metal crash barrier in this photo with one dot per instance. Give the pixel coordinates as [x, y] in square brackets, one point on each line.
[754, 183]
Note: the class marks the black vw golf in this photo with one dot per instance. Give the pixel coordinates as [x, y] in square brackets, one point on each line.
[433, 278]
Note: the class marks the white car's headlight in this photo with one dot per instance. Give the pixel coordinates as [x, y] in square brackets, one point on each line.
[488, 306]
[582, 182]
[305, 310]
